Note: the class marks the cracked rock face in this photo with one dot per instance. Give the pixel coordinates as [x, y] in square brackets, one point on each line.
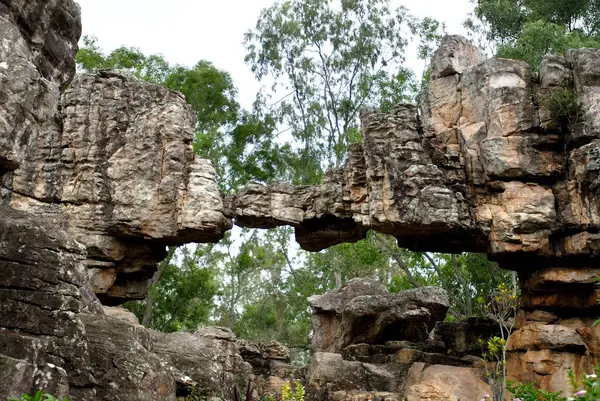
[98, 176]
[483, 167]
[111, 155]
[41, 295]
[363, 311]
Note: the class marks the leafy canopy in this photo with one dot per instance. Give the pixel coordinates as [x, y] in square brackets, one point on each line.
[529, 29]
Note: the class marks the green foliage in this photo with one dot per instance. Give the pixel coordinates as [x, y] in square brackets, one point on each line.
[295, 394]
[527, 392]
[538, 38]
[39, 396]
[500, 306]
[529, 29]
[184, 296]
[241, 144]
[197, 393]
[563, 106]
[331, 58]
[152, 68]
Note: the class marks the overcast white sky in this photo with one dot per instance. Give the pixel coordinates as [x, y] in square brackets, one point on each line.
[186, 31]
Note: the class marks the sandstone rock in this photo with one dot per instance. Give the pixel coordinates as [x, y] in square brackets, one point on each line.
[437, 382]
[350, 316]
[546, 336]
[212, 362]
[108, 162]
[549, 279]
[119, 198]
[40, 298]
[454, 55]
[386, 353]
[462, 338]
[365, 396]
[122, 361]
[121, 313]
[548, 369]
[328, 373]
[408, 315]
[51, 30]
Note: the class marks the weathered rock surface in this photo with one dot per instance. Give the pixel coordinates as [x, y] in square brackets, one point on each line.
[363, 311]
[42, 337]
[121, 170]
[441, 383]
[477, 170]
[462, 338]
[122, 361]
[353, 323]
[105, 164]
[112, 155]
[213, 362]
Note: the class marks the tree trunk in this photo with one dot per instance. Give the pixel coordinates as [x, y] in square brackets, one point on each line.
[162, 266]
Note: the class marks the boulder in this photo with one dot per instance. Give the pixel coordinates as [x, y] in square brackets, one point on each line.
[212, 362]
[454, 56]
[463, 338]
[363, 311]
[122, 362]
[546, 336]
[441, 383]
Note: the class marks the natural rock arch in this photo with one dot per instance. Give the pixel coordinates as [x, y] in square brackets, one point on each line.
[483, 166]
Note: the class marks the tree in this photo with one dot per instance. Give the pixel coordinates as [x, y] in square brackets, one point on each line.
[529, 29]
[326, 60]
[183, 298]
[239, 143]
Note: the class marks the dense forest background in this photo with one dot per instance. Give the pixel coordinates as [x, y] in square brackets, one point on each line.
[320, 63]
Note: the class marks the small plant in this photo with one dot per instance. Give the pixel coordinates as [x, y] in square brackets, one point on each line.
[527, 392]
[562, 105]
[295, 394]
[500, 306]
[197, 393]
[39, 396]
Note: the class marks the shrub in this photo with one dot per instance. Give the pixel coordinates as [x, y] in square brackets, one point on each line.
[562, 105]
[295, 394]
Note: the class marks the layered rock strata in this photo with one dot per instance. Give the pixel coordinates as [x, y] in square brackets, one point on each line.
[97, 176]
[484, 166]
[110, 154]
[370, 344]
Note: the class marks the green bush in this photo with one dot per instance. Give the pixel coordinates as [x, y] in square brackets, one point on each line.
[562, 105]
[39, 396]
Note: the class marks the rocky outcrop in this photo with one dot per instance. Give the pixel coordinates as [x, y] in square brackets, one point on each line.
[485, 166]
[112, 155]
[495, 161]
[362, 311]
[120, 169]
[42, 336]
[98, 176]
[372, 344]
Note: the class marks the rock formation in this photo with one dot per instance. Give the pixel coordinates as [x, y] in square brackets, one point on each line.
[112, 155]
[98, 176]
[362, 311]
[495, 161]
[370, 344]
